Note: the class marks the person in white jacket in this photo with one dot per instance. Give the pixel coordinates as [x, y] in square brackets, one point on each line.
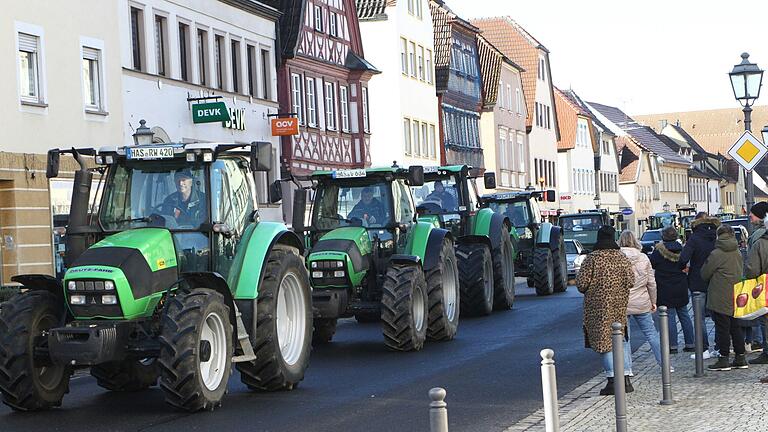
[642, 296]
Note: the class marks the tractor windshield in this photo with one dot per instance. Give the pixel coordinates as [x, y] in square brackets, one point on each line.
[581, 223]
[169, 194]
[436, 197]
[516, 211]
[364, 204]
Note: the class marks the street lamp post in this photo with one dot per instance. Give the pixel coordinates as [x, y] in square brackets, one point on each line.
[143, 135]
[665, 207]
[596, 200]
[746, 80]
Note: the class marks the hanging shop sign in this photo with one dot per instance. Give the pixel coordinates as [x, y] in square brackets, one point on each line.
[210, 112]
[236, 119]
[285, 126]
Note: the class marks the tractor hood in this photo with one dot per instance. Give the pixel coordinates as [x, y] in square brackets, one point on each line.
[345, 248]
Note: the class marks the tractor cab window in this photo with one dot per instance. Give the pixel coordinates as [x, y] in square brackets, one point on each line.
[403, 203]
[231, 204]
[516, 211]
[368, 205]
[582, 223]
[439, 196]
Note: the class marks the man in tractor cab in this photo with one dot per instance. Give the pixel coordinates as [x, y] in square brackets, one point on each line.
[187, 204]
[369, 209]
[447, 201]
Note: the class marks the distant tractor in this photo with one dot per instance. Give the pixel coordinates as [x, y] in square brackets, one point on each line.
[484, 249]
[541, 255]
[583, 226]
[174, 279]
[369, 257]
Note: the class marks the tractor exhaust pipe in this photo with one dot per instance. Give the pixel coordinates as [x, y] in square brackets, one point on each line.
[76, 241]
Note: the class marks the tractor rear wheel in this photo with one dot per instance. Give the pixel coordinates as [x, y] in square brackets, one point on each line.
[325, 328]
[504, 273]
[443, 295]
[127, 375]
[283, 334]
[560, 267]
[26, 386]
[475, 279]
[404, 308]
[543, 271]
[196, 349]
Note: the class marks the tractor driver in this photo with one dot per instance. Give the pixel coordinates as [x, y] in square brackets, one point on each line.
[187, 204]
[447, 202]
[368, 209]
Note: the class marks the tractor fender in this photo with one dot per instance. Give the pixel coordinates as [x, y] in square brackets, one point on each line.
[489, 223]
[549, 236]
[40, 282]
[434, 245]
[476, 239]
[405, 259]
[418, 239]
[216, 282]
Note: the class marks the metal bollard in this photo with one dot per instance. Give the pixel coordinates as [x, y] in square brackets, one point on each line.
[698, 323]
[438, 413]
[549, 388]
[666, 377]
[620, 395]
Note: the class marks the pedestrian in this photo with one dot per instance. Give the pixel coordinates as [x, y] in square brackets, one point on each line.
[605, 279]
[642, 295]
[757, 218]
[720, 272]
[757, 260]
[672, 287]
[700, 244]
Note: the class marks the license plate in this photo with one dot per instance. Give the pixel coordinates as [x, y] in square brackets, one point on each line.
[351, 173]
[149, 152]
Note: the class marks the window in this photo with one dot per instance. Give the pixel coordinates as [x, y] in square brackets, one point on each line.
[417, 6]
[366, 123]
[518, 102]
[431, 141]
[412, 57]
[92, 79]
[421, 63]
[137, 38]
[424, 139]
[161, 45]
[250, 52]
[407, 136]
[521, 151]
[318, 18]
[266, 78]
[415, 138]
[218, 53]
[29, 70]
[503, 157]
[296, 99]
[410, 6]
[344, 97]
[202, 55]
[429, 66]
[404, 56]
[184, 54]
[311, 102]
[333, 25]
[549, 117]
[509, 97]
[235, 57]
[330, 106]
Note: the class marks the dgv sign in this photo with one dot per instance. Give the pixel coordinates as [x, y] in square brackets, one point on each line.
[210, 112]
[285, 126]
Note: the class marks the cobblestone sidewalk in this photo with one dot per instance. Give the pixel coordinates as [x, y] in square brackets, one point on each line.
[720, 401]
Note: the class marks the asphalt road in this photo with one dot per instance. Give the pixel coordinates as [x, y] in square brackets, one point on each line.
[490, 371]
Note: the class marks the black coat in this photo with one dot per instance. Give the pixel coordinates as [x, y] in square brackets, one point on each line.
[671, 281]
[697, 249]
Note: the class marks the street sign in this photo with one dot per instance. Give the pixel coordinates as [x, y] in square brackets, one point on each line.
[748, 151]
[210, 112]
[285, 126]
[627, 211]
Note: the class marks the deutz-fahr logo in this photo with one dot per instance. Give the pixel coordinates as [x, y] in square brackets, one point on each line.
[90, 269]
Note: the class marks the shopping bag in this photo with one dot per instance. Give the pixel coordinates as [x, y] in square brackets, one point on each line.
[749, 300]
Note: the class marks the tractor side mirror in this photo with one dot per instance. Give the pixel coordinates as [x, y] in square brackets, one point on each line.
[416, 175]
[299, 209]
[489, 180]
[275, 192]
[261, 156]
[52, 164]
[550, 195]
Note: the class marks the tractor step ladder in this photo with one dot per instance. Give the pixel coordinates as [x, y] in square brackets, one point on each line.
[243, 340]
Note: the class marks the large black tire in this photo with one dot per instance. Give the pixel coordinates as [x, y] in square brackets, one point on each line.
[24, 386]
[184, 352]
[325, 328]
[475, 279]
[504, 273]
[443, 294]
[271, 370]
[543, 271]
[128, 375]
[560, 267]
[404, 311]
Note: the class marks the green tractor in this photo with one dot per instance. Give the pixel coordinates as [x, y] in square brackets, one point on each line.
[370, 258]
[484, 248]
[174, 279]
[583, 226]
[540, 245]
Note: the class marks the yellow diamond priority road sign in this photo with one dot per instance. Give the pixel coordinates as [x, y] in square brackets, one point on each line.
[748, 151]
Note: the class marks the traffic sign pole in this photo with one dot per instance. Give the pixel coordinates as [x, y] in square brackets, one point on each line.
[749, 184]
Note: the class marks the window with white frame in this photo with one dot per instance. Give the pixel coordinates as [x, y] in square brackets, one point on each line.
[415, 138]
[202, 56]
[161, 45]
[407, 135]
[330, 105]
[421, 63]
[29, 68]
[218, 60]
[509, 97]
[333, 24]
[424, 139]
[429, 65]
[235, 60]
[366, 122]
[137, 39]
[503, 156]
[250, 54]
[521, 151]
[266, 77]
[412, 58]
[184, 53]
[318, 18]
[411, 6]
[518, 102]
[432, 149]
[296, 97]
[311, 102]
[404, 56]
[344, 99]
[92, 78]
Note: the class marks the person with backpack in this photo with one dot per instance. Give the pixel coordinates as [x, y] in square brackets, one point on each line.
[757, 216]
[757, 257]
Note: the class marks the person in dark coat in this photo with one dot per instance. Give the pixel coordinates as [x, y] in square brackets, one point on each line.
[672, 286]
[700, 244]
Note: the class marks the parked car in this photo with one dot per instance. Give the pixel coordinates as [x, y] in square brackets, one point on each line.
[649, 239]
[574, 255]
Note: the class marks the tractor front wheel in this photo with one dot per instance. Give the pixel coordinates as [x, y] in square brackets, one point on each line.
[127, 375]
[475, 279]
[443, 294]
[25, 384]
[404, 308]
[560, 267]
[504, 273]
[196, 349]
[543, 271]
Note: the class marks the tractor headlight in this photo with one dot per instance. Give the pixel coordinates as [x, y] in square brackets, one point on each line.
[77, 299]
[109, 299]
[317, 274]
[71, 285]
[190, 157]
[109, 286]
[314, 264]
[338, 273]
[339, 264]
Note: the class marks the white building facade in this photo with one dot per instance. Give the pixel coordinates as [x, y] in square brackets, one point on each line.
[576, 170]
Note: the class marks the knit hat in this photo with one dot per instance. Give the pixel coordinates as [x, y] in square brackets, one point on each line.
[759, 209]
[669, 234]
[606, 238]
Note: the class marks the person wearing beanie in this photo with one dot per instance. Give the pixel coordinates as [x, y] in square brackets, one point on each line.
[605, 279]
[757, 262]
[757, 219]
[672, 286]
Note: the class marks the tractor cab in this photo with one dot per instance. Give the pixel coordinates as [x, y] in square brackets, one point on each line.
[583, 226]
